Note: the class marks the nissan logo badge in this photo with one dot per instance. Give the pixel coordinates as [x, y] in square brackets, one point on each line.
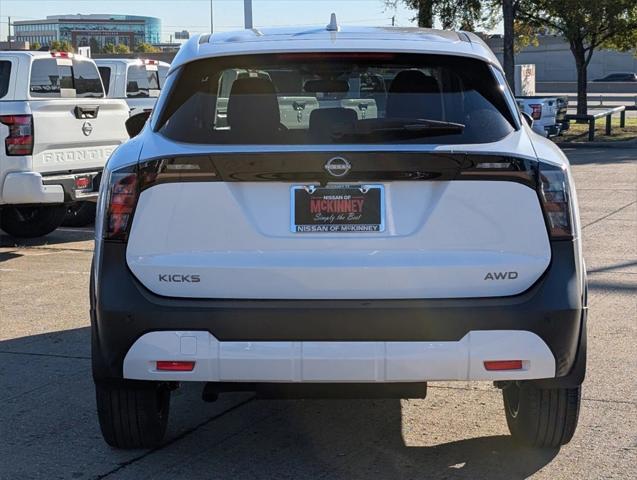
[338, 167]
[87, 128]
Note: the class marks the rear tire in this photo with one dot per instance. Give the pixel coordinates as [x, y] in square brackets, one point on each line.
[31, 222]
[541, 417]
[80, 214]
[133, 414]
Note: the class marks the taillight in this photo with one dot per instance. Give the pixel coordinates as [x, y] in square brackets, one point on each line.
[122, 193]
[536, 111]
[554, 193]
[20, 138]
[127, 183]
[61, 55]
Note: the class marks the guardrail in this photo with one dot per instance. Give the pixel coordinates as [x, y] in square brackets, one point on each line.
[591, 118]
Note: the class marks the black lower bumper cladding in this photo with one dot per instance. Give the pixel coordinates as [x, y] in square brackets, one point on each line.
[122, 310]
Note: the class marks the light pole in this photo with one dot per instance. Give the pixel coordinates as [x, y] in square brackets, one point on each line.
[211, 24]
[247, 13]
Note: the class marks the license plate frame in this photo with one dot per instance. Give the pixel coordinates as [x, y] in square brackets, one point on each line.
[367, 200]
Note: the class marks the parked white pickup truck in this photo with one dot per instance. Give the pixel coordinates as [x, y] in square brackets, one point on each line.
[547, 113]
[138, 81]
[57, 131]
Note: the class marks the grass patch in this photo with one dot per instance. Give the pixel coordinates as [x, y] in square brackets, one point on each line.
[579, 131]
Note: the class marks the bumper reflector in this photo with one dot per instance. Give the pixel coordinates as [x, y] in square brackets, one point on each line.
[503, 365]
[170, 366]
[82, 183]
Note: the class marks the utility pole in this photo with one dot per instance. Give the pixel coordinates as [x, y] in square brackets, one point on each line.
[9, 34]
[393, 20]
[211, 23]
[247, 13]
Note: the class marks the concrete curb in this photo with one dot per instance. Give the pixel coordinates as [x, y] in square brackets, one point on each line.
[617, 144]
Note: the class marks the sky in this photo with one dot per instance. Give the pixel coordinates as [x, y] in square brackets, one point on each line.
[194, 15]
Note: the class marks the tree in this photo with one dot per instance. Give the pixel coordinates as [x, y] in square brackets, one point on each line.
[122, 48]
[460, 14]
[61, 46]
[36, 46]
[586, 25]
[509, 8]
[453, 14]
[108, 48]
[146, 48]
[95, 45]
[424, 8]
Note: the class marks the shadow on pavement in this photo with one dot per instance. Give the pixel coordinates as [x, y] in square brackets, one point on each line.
[601, 155]
[57, 237]
[6, 256]
[616, 287]
[610, 268]
[48, 405]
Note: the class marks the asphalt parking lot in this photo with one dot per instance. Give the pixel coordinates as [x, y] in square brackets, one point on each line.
[49, 430]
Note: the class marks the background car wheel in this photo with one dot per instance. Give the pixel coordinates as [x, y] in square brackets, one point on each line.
[541, 417]
[30, 222]
[80, 214]
[133, 414]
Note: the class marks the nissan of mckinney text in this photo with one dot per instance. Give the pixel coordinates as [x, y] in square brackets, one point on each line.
[348, 212]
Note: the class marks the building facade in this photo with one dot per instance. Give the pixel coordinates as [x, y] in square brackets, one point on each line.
[554, 61]
[93, 31]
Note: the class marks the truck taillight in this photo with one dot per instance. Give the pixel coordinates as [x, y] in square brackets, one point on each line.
[122, 193]
[556, 202]
[61, 55]
[536, 111]
[20, 138]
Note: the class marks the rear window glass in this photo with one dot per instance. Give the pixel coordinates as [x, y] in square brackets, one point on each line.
[5, 74]
[87, 79]
[142, 82]
[105, 73]
[51, 78]
[339, 98]
[163, 73]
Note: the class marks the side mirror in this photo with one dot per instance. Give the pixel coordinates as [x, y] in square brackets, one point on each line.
[528, 118]
[135, 123]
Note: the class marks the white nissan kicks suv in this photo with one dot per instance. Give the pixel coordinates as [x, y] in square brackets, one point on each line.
[361, 211]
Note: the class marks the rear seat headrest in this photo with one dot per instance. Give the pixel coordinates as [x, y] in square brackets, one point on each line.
[253, 104]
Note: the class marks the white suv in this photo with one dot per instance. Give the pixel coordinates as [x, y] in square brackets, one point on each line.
[436, 237]
[56, 132]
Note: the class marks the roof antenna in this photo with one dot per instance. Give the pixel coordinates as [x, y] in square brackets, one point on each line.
[333, 26]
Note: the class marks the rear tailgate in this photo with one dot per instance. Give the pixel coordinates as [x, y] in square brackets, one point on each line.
[446, 233]
[65, 142]
[75, 128]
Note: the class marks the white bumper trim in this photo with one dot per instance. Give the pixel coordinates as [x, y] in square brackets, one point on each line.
[27, 187]
[382, 362]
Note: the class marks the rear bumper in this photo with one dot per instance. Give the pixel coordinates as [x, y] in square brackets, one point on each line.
[31, 188]
[338, 362]
[122, 311]
[28, 188]
[73, 194]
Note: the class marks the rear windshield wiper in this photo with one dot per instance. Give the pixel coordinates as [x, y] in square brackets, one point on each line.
[401, 127]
